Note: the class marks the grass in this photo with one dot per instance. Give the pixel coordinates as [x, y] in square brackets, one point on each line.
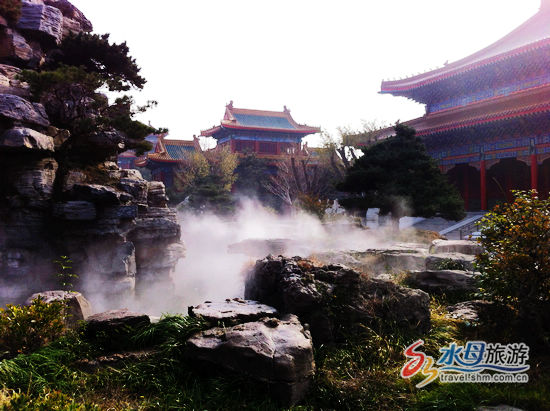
[360, 374]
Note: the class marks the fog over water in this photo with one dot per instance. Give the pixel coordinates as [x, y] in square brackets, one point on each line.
[210, 272]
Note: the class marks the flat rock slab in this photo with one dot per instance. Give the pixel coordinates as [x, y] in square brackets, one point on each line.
[235, 311]
[18, 109]
[456, 246]
[469, 310]
[25, 139]
[461, 261]
[78, 307]
[44, 21]
[278, 352]
[442, 280]
[115, 322]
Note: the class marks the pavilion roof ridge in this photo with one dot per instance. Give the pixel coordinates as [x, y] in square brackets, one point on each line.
[533, 33]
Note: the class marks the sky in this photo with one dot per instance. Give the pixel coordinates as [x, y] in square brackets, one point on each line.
[324, 60]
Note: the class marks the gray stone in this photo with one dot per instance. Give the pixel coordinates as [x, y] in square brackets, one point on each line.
[456, 246]
[469, 310]
[501, 407]
[18, 109]
[33, 181]
[44, 21]
[75, 211]
[73, 177]
[156, 194]
[99, 194]
[434, 261]
[14, 47]
[278, 352]
[132, 183]
[156, 223]
[115, 323]
[232, 312]
[78, 307]
[334, 300]
[70, 12]
[9, 84]
[25, 139]
[442, 280]
[120, 212]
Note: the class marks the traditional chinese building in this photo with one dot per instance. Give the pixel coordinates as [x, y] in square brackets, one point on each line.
[127, 160]
[165, 157]
[267, 134]
[487, 118]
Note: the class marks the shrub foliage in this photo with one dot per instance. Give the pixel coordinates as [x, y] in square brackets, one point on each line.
[26, 328]
[515, 267]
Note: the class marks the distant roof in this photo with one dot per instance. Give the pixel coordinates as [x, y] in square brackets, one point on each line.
[170, 151]
[532, 34]
[246, 119]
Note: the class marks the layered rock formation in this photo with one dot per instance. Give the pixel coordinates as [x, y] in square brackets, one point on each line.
[334, 300]
[114, 225]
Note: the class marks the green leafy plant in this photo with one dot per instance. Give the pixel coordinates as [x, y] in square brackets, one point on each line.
[26, 328]
[49, 400]
[515, 267]
[64, 274]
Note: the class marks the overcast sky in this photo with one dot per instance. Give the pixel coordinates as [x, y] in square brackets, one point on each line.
[324, 60]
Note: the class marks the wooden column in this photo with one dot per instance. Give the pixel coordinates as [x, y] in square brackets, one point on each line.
[534, 172]
[256, 146]
[483, 184]
[466, 185]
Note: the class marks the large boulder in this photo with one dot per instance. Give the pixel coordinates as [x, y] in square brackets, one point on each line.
[42, 21]
[456, 246]
[335, 300]
[14, 48]
[442, 281]
[113, 329]
[9, 82]
[156, 194]
[25, 140]
[77, 308]
[31, 181]
[15, 108]
[74, 20]
[231, 312]
[277, 352]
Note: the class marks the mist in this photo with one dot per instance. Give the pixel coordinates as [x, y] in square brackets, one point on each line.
[210, 272]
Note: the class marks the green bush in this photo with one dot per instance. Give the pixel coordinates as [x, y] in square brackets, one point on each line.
[11, 10]
[26, 328]
[515, 267]
[53, 400]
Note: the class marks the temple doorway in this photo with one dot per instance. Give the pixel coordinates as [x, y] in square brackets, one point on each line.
[506, 175]
[466, 178]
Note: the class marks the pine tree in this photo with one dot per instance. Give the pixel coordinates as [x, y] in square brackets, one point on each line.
[398, 176]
